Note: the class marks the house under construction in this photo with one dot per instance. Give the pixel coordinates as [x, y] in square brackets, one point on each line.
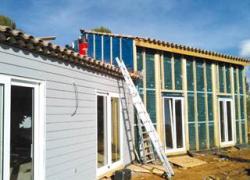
[196, 98]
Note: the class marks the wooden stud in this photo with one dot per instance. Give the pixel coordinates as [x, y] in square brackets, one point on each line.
[135, 56]
[173, 71]
[245, 103]
[111, 50]
[233, 97]
[215, 103]
[144, 76]
[206, 104]
[196, 108]
[224, 79]
[184, 85]
[162, 72]
[239, 105]
[158, 101]
[214, 58]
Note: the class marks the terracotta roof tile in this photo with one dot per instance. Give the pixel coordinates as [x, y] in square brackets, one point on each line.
[21, 40]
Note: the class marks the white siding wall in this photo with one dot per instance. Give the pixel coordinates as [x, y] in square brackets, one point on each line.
[70, 140]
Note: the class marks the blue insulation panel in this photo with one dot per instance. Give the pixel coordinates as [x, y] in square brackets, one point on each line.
[90, 45]
[243, 130]
[209, 76]
[235, 80]
[210, 107]
[237, 132]
[127, 52]
[98, 47]
[106, 49]
[116, 48]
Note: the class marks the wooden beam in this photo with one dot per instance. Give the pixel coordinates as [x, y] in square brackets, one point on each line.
[215, 103]
[162, 72]
[184, 85]
[190, 53]
[245, 103]
[158, 98]
[144, 76]
[135, 56]
[196, 108]
[233, 97]
[173, 71]
[238, 102]
[206, 104]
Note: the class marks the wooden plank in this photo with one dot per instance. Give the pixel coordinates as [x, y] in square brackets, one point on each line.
[239, 105]
[135, 56]
[215, 103]
[186, 161]
[184, 85]
[245, 102]
[196, 108]
[173, 71]
[206, 104]
[144, 76]
[158, 102]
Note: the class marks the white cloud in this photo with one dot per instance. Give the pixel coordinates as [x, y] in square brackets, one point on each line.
[245, 48]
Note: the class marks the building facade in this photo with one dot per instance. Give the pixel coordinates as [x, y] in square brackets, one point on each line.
[196, 98]
[60, 114]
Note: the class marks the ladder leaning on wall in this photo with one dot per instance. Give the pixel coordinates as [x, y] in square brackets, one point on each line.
[144, 118]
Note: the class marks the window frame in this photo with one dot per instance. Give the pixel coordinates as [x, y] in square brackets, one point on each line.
[110, 166]
[38, 124]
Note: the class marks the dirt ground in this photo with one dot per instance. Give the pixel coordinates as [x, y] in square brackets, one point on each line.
[224, 164]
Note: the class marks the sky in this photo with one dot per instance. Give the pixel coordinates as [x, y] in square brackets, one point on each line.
[217, 25]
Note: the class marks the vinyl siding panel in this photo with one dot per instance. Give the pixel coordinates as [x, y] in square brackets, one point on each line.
[70, 140]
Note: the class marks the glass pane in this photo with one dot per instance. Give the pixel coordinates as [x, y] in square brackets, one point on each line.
[222, 130]
[21, 150]
[229, 121]
[115, 110]
[1, 126]
[101, 130]
[168, 125]
[178, 118]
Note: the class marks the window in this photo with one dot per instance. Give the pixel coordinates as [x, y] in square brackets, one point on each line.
[109, 133]
[23, 132]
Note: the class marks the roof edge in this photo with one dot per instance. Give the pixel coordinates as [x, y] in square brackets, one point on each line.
[177, 48]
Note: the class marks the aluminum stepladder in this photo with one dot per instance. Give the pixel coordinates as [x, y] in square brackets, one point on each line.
[145, 118]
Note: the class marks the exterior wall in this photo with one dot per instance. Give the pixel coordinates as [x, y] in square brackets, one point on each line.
[201, 82]
[107, 48]
[70, 140]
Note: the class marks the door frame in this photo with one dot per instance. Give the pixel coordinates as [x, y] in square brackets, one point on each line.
[110, 166]
[38, 124]
[228, 143]
[175, 149]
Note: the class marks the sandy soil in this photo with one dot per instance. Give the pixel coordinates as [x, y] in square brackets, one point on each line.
[230, 164]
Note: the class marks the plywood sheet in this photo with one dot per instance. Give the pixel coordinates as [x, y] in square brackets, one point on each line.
[186, 161]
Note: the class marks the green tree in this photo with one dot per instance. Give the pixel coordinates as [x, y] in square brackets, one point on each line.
[6, 21]
[102, 29]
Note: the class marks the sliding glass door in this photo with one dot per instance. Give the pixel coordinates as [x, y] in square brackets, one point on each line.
[174, 124]
[109, 137]
[226, 122]
[21, 129]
